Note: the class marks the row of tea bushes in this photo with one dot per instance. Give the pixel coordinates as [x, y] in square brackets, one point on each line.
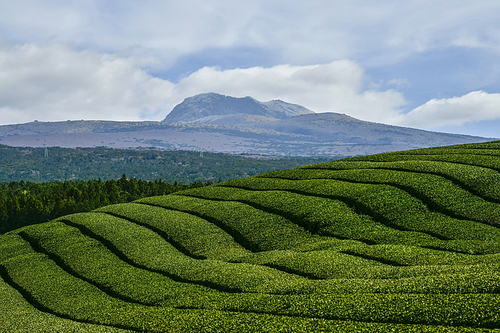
[329, 217]
[480, 181]
[253, 228]
[399, 242]
[188, 232]
[386, 204]
[17, 315]
[62, 293]
[435, 191]
[143, 248]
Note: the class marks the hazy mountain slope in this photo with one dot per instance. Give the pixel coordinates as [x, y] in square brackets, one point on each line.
[396, 242]
[209, 122]
[342, 128]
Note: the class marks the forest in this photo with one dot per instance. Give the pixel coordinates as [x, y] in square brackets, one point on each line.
[184, 167]
[24, 203]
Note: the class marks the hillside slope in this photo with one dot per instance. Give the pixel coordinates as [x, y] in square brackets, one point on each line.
[217, 123]
[404, 242]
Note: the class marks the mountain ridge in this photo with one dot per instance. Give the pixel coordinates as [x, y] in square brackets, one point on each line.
[254, 130]
[214, 106]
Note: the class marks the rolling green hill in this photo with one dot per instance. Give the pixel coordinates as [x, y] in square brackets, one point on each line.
[399, 242]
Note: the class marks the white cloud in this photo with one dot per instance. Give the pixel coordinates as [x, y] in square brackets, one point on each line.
[337, 87]
[47, 79]
[456, 111]
[400, 83]
[316, 31]
[56, 82]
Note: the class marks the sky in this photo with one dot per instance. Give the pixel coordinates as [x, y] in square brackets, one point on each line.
[432, 65]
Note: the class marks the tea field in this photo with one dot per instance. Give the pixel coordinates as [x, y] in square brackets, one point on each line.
[395, 242]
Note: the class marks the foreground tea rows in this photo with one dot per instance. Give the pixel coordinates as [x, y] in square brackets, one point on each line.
[392, 242]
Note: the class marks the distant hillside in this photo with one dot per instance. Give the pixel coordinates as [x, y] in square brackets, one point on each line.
[216, 123]
[340, 128]
[395, 242]
[206, 108]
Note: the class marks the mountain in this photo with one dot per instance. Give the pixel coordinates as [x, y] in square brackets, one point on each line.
[210, 107]
[335, 127]
[398, 242]
[218, 123]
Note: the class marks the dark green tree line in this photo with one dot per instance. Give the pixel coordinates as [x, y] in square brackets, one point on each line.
[24, 203]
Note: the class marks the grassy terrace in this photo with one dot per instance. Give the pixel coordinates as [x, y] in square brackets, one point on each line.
[402, 242]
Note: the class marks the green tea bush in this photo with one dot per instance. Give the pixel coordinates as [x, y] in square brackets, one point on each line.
[193, 235]
[395, 242]
[61, 292]
[91, 261]
[387, 204]
[481, 181]
[437, 192]
[479, 158]
[17, 315]
[146, 249]
[323, 216]
[255, 229]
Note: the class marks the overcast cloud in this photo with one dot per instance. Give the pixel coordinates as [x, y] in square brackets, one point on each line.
[425, 64]
[455, 111]
[58, 83]
[88, 85]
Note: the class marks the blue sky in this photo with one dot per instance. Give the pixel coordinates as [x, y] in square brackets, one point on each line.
[425, 64]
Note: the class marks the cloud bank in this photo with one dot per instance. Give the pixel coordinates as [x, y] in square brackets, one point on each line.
[57, 82]
[93, 59]
[456, 111]
[339, 86]
[314, 32]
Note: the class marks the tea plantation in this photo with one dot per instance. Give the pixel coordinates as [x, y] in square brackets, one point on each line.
[395, 242]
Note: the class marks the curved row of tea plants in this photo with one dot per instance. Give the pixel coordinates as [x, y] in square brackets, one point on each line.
[403, 242]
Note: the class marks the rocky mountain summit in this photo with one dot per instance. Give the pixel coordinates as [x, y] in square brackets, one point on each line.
[213, 108]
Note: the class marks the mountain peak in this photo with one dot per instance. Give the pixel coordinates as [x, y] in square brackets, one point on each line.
[208, 106]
